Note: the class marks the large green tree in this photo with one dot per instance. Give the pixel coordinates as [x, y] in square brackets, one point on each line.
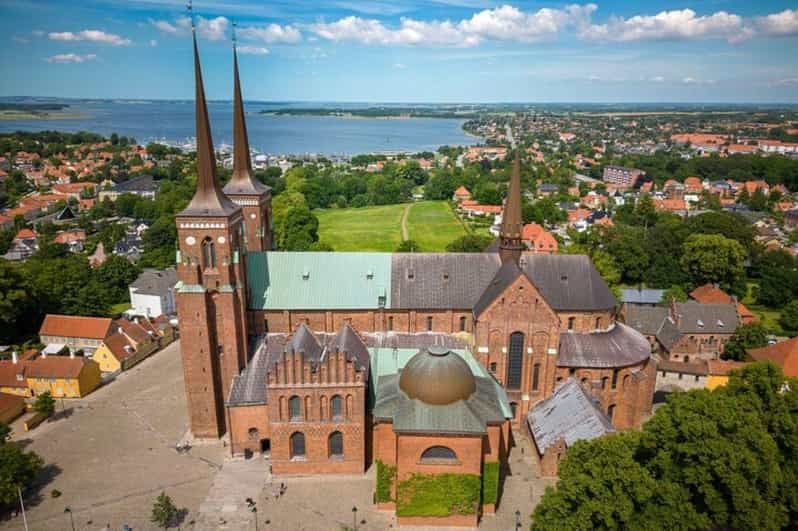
[713, 258]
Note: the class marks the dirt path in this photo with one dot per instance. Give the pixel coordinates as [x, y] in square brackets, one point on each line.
[405, 235]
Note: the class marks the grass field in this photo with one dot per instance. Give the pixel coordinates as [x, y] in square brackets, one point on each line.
[432, 224]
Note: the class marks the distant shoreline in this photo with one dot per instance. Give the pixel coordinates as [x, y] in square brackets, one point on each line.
[27, 115]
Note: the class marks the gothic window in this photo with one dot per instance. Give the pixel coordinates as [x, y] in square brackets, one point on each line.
[436, 454]
[615, 378]
[337, 404]
[626, 380]
[571, 323]
[611, 411]
[294, 406]
[208, 253]
[515, 360]
[390, 324]
[598, 323]
[297, 444]
[535, 376]
[604, 382]
[462, 324]
[336, 444]
[429, 324]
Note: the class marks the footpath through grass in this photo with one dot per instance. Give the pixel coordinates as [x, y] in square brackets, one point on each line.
[432, 225]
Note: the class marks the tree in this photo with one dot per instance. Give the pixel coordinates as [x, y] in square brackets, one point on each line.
[164, 512]
[300, 229]
[116, 274]
[408, 246]
[789, 317]
[19, 313]
[45, 404]
[470, 243]
[17, 470]
[746, 337]
[674, 292]
[606, 267]
[627, 251]
[712, 258]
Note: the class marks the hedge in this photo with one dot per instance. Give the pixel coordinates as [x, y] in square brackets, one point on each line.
[385, 477]
[490, 482]
[438, 495]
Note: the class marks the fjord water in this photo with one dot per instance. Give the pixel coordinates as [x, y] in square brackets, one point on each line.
[173, 121]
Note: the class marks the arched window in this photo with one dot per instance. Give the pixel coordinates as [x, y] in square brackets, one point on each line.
[294, 408]
[611, 411]
[604, 382]
[337, 407]
[515, 360]
[438, 454]
[615, 378]
[335, 444]
[598, 323]
[429, 324]
[390, 324]
[462, 324]
[571, 323]
[253, 434]
[208, 253]
[535, 376]
[297, 445]
[626, 381]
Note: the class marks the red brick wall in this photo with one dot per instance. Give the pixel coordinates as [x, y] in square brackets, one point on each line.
[410, 447]
[286, 321]
[242, 419]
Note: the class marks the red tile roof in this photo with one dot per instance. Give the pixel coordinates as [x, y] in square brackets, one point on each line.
[56, 367]
[784, 354]
[722, 368]
[9, 371]
[74, 326]
[25, 234]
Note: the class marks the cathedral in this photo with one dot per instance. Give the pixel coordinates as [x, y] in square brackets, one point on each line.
[424, 363]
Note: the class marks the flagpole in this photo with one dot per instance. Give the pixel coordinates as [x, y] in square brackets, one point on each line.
[22, 505]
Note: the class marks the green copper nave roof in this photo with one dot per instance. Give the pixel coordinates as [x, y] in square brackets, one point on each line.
[318, 281]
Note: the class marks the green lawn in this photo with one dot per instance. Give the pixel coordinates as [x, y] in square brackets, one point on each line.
[361, 229]
[432, 224]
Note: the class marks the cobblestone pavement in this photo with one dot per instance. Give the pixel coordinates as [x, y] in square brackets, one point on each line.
[115, 452]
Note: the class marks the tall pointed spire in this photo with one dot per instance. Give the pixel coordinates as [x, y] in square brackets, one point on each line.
[512, 228]
[242, 181]
[208, 200]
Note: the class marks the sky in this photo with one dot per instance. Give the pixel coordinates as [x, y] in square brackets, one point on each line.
[405, 50]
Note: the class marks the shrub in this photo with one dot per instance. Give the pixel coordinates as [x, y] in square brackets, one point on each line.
[438, 495]
[490, 482]
[385, 478]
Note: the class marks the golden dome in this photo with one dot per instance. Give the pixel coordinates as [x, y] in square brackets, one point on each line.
[438, 377]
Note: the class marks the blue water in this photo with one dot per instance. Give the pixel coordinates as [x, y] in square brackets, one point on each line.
[175, 122]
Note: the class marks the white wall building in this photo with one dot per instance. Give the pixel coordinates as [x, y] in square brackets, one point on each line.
[153, 293]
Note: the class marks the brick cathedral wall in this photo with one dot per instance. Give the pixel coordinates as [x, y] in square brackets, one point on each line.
[242, 420]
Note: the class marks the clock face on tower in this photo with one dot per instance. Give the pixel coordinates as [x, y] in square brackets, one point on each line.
[190, 240]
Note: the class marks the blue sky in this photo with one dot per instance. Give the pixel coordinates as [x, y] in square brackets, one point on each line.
[406, 50]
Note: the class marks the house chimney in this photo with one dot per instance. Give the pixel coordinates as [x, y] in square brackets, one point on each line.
[44, 354]
[14, 357]
[71, 354]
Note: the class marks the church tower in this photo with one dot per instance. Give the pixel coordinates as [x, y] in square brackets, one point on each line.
[510, 243]
[211, 292]
[243, 189]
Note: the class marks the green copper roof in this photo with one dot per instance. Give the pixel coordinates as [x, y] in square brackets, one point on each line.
[388, 361]
[318, 281]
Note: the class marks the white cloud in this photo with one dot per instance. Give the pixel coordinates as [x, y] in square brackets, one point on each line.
[153, 43]
[784, 23]
[213, 29]
[673, 25]
[70, 58]
[271, 33]
[253, 50]
[658, 79]
[399, 66]
[89, 35]
[790, 81]
[505, 23]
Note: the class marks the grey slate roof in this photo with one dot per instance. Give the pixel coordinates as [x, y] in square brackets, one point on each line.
[141, 184]
[303, 340]
[440, 280]
[152, 282]
[620, 346]
[249, 387]
[505, 276]
[696, 318]
[641, 295]
[644, 319]
[469, 416]
[668, 334]
[569, 414]
[568, 281]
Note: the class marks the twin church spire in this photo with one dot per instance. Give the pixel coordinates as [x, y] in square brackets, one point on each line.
[209, 199]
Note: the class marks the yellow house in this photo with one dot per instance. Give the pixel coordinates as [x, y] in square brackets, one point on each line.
[12, 374]
[111, 353]
[719, 372]
[62, 376]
